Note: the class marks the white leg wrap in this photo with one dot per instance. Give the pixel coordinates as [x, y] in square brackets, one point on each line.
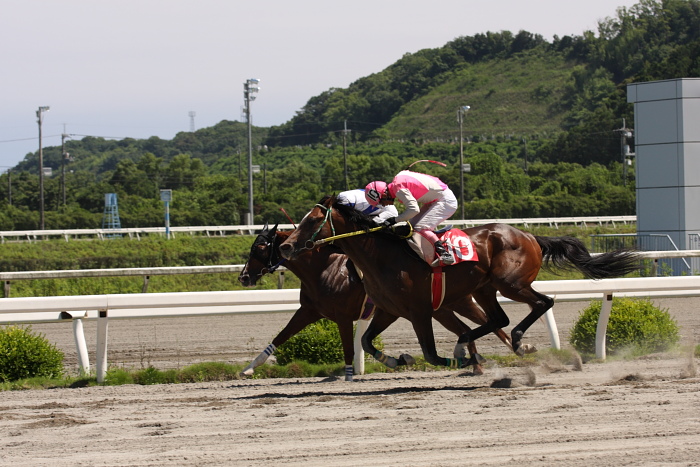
[259, 360]
[348, 372]
[461, 350]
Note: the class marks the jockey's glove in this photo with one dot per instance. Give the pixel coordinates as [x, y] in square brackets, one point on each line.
[389, 222]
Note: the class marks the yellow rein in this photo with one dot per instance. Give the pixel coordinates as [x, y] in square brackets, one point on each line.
[360, 232]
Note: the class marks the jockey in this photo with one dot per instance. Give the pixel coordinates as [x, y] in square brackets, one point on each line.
[411, 188]
[356, 199]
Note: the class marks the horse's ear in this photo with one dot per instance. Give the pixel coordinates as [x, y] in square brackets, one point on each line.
[264, 230]
[274, 229]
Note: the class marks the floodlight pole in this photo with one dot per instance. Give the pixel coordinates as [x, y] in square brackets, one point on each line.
[40, 120]
[460, 118]
[250, 87]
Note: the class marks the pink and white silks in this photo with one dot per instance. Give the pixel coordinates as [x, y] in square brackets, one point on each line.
[438, 201]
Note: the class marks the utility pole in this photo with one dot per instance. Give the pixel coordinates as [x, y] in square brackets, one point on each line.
[64, 161]
[9, 187]
[460, 118]
[250, 87]
[345, 152]
[40, 120]
[625, 135]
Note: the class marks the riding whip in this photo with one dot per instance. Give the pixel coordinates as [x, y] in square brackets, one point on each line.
[428, 160]
[290, 219]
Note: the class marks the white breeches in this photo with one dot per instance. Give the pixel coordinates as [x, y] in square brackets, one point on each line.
[433, 214]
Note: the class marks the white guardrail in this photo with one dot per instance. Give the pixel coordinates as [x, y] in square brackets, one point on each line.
[222, 230]
[180, 304]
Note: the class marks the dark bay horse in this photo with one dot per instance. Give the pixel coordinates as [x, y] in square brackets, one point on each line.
[509, 261]
[330, 290]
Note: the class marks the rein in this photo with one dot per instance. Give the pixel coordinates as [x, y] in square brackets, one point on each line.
[328, 218]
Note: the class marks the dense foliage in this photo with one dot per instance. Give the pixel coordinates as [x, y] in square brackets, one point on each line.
[541, 135]
[24, 354]
[316, 343]
[635, 326]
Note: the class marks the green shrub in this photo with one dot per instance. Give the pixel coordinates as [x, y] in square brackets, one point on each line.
[208, 371]
[318, 342]
[118, 376]
[636, 325]
[27, 355]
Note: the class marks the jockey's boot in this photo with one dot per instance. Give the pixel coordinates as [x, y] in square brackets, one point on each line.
[446, 256]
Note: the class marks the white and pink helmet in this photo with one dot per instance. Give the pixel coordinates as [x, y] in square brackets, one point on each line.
[374, 192]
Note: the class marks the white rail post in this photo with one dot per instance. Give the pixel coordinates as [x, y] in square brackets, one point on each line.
[101, 356]
[359, 360]
[601, 330]
[552, 328]
[81, 347]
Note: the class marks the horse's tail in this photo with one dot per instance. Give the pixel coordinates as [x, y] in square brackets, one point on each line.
[570, 254]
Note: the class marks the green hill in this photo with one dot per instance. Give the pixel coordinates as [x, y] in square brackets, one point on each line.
[541, 132]
[521, 95]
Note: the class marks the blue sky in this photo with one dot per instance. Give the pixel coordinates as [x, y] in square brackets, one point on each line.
[136, 68]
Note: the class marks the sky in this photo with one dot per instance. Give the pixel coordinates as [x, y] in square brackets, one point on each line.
[137, 68]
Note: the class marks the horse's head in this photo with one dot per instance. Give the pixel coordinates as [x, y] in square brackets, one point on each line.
[262, 259]
[319, 223]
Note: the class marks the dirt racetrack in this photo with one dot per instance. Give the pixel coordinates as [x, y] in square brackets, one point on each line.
[640, 412]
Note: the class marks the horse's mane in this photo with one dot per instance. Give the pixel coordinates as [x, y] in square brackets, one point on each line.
[364, 222]
[360, 219]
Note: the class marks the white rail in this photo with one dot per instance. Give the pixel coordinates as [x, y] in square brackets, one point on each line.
[102, 307]
[8, 277]
[222, 230]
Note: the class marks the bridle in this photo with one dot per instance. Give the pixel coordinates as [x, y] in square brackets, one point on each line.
[272, 252]
[328, 218]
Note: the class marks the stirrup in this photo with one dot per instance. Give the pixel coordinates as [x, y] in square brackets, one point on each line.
[446, 256]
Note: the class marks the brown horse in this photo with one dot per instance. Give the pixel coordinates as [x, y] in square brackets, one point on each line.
[509, 261]
[329, 289]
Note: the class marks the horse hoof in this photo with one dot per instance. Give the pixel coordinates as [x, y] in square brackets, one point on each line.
[247, 372]
[474, 360]
[461, 351]
[348, 378]
[407, 360]
[478, 370]
[391, 362]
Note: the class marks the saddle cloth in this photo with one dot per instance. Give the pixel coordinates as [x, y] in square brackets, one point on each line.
[457, 241]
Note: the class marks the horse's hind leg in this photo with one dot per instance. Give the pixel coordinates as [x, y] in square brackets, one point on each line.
[539, 304]
[379, 323]
[496, 317]
[477, 315]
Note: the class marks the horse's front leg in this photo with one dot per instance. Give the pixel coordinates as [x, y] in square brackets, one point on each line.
[301, 318]
[452, 323]
[423, 326]
[346, 338]
[379, 323]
